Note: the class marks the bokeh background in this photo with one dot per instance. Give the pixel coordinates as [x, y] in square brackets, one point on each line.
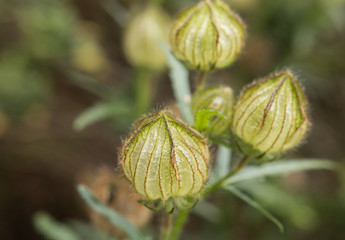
[59, 59]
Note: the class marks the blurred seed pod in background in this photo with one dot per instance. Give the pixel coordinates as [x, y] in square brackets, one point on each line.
[207, 35]
[87, 54]
[143, 33]
[220, 99]
[165, 158]
[270, 116]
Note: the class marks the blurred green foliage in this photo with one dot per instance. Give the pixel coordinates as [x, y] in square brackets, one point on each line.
[46, 27]
[22, 86]
[42, 31]
[299, 25]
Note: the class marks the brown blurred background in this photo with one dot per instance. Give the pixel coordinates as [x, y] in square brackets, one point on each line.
[59, 58]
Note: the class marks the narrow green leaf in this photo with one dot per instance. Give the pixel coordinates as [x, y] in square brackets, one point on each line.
[281, 168]
[113, 217]
[116, 10]
[295, 208]
[101, 111]
[203, 118]
[251, 202]
[180, 83]
[88, 231]
[52, 229]
[92, 115]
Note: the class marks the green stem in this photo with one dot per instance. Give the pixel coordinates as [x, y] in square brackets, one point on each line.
[178, 224]
[167, 227]
[221, 181]
[143, 91]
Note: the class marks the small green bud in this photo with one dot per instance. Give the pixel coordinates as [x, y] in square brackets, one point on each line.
[165, 158]
[270, 116]
[142, 36]
[220, 99]
[207, 35]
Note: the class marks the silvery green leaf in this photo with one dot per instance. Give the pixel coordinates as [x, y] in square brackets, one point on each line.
[88, 231]
[52, 229]
[114, 218]
[99, 112]
[180, 83]
[281, 168]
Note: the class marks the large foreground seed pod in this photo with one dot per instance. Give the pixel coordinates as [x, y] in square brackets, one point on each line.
[219, 99]
[270, 116]
[165, 158]
[142, 36]
[207, 35]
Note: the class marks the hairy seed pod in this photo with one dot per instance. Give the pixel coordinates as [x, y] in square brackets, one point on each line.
[207, 35]
[220, 99]
[142, 36]
[270, 116]
[165, 158]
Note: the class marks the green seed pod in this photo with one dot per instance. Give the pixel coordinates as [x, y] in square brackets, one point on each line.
[270, 116]
[207, 35]
[219, 99]
[142, 36]
[165, 158]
